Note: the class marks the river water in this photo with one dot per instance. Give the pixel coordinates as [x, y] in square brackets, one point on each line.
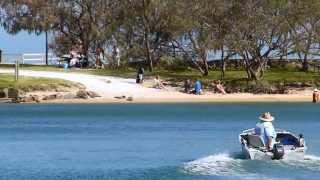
[157, 141]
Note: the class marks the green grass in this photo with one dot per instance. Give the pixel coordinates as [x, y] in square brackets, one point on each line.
[233, 75]
[33, 84]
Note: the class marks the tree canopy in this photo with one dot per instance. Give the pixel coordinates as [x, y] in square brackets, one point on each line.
[254, 30]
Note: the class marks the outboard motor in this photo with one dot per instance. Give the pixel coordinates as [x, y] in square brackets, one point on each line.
[278, 151]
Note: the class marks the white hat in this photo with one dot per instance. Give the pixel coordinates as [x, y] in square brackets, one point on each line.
[316, 90]
[266, 117]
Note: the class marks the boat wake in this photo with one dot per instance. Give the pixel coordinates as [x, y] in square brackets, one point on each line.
[310, 162]
[234, 165]
[220, 165]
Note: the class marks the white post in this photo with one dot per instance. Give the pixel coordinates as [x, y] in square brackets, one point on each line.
[22, 58]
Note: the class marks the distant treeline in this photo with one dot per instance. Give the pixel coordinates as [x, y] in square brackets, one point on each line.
[159, 30]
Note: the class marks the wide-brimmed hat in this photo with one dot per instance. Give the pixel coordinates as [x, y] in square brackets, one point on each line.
[266, 117]
[315, 90]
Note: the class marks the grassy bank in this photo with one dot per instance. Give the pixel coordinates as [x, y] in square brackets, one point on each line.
[233, 77]
[271, 76]
[28, 84]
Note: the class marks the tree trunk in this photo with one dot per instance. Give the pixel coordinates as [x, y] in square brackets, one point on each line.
[305, 64]
[256, 74]
[47, 49]
[148, 54]
[223, 65]
[254, 71]
[249, 77]
[205, 63]
[206, 67]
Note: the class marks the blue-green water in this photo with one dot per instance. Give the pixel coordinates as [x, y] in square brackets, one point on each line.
[176, 141]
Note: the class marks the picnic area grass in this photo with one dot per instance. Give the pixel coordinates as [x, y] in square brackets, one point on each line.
[271, 76]
[233, 76]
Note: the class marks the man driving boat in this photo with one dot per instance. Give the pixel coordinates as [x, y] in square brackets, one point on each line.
[266, 131]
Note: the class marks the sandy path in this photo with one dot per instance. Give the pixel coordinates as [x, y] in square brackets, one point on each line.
[106, 86]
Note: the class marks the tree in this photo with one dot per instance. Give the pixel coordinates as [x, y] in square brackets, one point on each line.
[199, 34]
[304, 20]
[88, 22]
[215, 15]
[256, 34]
[149, 27]
[31, 15]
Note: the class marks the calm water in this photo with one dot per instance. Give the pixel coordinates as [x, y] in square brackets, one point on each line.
[195, 141]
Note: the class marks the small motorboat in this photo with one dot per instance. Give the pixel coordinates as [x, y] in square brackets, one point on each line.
[287, 146]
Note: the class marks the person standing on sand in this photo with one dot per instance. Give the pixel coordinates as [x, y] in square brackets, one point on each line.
[99, 57]
[266, 131]
[315, 96]
[140, 75]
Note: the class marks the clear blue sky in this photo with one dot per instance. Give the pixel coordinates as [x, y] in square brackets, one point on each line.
[22, 42]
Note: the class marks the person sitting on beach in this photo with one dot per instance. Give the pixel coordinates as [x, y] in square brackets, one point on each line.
[187, 86]
[266, 131]
[217, 84]
[158, 83]
[316, 96]
[197, 87]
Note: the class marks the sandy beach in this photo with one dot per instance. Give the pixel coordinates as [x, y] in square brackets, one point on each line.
[181, 98]
[110, 87]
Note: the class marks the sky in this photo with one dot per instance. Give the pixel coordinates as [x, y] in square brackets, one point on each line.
[22, 42]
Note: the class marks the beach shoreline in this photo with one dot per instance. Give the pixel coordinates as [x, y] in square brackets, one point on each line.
[123, 90]
[172, 99]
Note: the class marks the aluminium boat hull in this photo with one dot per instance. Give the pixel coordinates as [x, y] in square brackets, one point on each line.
[292, 150]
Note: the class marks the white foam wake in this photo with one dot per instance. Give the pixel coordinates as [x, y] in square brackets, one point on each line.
[230, 165]
[218, 165]
[310, 162]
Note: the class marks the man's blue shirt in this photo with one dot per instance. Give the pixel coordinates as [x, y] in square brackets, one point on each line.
[266, 130]
[197, 87]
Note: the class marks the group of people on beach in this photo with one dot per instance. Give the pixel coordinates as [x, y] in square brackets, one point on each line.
[197, 87]
[157, 81]
[76, 56]
[190, 87]
[101, 57]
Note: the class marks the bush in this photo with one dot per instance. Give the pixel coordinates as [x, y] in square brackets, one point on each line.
[292, 66]
[171, 63]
